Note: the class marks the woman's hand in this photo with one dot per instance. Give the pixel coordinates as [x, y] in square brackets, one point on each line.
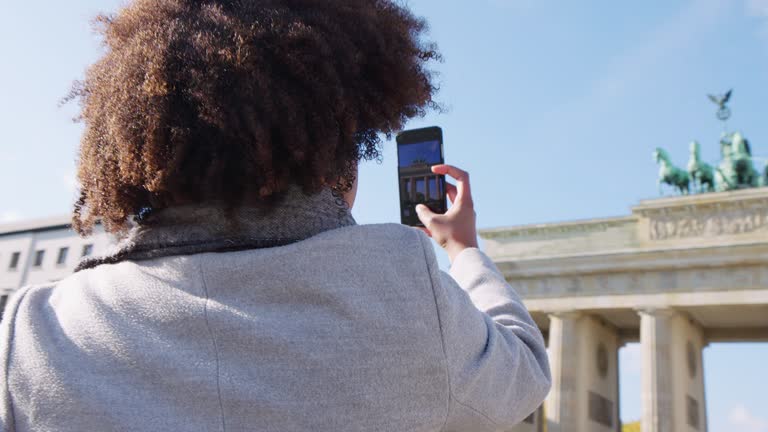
[455, 230]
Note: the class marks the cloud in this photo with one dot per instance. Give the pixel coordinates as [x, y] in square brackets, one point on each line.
[742, 420]
[666, 42]
[660, 49]
[8, 156]
[759, 9]
[9, 216]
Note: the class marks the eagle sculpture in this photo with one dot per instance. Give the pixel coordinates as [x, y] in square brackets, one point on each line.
[721, 100]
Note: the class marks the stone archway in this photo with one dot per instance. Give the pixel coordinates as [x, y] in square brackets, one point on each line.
[676, 274]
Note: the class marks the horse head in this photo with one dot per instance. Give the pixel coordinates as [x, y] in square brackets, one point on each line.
[660, 155]
[694, 146]
[740, 146]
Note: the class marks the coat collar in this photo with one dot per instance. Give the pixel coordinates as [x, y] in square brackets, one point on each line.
[195, 229]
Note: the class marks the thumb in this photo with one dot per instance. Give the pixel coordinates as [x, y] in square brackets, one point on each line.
[425, 214]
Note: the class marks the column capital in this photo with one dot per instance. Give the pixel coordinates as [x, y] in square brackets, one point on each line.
[655, 311]
[565, 314]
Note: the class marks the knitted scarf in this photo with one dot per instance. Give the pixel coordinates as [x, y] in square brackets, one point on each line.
[193, 229]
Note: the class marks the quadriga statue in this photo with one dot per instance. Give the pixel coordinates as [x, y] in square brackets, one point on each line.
[701, 173]
[669, 173]
[736, 170]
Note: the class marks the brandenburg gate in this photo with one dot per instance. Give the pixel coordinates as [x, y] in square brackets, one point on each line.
[676, 274]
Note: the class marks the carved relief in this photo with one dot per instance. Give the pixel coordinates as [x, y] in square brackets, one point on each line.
[707, 220]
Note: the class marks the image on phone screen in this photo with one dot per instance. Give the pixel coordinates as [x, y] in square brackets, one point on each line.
[418, 184]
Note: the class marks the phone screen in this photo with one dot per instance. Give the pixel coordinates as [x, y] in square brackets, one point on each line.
[418, 184]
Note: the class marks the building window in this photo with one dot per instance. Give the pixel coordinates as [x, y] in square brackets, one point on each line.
[62, 258]
[14, 261]
[87, 250]
[38, 258]
[3, 301]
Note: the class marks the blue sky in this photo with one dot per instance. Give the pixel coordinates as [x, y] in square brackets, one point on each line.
[554, 107]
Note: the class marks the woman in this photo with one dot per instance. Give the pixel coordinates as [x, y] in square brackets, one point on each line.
[221, 146]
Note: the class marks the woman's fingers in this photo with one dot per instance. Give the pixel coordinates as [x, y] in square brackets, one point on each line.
[451, 191]
[464, 193]
[455, 230]
[425, 215]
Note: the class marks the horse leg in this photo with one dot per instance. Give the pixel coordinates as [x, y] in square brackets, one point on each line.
[684, 181]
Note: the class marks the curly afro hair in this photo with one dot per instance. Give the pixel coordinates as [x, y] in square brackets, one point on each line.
[233, 101]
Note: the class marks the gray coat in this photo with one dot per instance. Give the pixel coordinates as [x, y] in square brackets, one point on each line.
[349, 328]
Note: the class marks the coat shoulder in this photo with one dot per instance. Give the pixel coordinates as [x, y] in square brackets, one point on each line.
[396, 235]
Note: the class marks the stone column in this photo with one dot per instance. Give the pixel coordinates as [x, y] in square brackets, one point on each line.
[656, 384]
[560, 406]
[672, 376]
[583, 359]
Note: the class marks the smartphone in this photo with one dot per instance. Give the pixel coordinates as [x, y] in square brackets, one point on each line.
[417, 151]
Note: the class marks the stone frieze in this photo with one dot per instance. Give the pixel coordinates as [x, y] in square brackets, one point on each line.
[687, 225]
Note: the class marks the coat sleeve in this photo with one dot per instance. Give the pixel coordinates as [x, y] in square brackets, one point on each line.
[498, 368]
[6, 342]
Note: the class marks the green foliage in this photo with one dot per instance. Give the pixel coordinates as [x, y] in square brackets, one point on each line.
[631, 427]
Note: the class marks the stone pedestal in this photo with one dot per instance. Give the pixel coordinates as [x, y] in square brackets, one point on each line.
[583, 352]
[672, 375]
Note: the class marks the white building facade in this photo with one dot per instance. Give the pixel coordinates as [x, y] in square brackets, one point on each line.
[40, 251]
